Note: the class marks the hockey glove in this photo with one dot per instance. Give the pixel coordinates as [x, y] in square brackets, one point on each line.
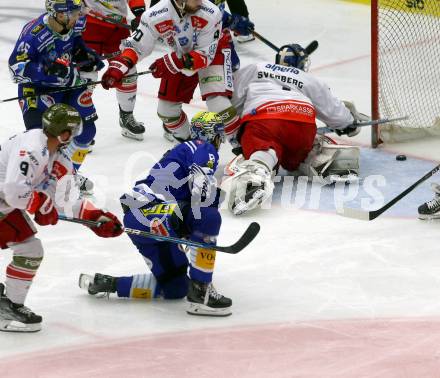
[167, 66]
[65, 71]
[240, 24]
[352, 130]
[110, 225]
[87, 59]
[118, 67]
[42, 206]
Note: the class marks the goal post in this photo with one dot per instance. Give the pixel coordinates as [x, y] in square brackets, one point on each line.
[405, 79]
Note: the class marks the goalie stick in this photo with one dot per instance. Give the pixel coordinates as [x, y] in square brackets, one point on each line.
[370, 215]
[249, 235]
[326, 129]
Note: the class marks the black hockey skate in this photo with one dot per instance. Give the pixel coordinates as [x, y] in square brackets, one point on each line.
[430, 209]
[130, 128]
[203, 299]
[99, 284]
[16, 317]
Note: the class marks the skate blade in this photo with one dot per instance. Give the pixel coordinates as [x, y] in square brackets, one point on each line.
[130, 135]
[202, 310]
[169, 137]
[15, 326]
[429, 217]
[245, 40]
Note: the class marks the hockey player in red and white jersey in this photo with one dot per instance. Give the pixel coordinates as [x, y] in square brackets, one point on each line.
[279, 104]
[34, 175]
[104, 35]
[200, 54]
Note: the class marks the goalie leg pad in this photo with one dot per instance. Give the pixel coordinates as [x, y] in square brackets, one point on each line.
[330, 163]
[249, 186]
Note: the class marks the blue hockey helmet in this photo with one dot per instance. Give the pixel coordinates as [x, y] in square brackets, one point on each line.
[62, 6]
[209, 127]
[293, 55]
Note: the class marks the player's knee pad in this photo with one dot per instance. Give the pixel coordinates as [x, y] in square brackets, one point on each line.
[26, 259]
[88, 133]
[176, 288]
[222, 105]
[208, 223]
[128, 84]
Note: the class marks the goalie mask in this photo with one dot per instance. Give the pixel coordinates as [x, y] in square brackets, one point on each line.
[293, 56]
[209, 127]
[60, 118]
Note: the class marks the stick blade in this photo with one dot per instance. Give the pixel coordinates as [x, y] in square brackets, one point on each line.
[349, 212]
[249, 235]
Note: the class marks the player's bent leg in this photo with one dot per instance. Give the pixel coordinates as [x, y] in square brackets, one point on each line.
[202, 297]
[231, 120]
[14, 316]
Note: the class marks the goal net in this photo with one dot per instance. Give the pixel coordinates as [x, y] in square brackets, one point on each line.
[405, 50]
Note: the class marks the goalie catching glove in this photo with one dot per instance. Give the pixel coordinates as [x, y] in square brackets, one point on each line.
[249, 185]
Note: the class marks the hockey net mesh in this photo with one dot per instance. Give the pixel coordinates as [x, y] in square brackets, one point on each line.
[409, 79]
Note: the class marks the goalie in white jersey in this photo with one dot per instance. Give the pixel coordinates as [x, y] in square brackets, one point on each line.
[279, 104]
[201, 54]
[32, 168]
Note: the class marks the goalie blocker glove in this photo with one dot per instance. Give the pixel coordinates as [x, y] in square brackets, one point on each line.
[352, 130]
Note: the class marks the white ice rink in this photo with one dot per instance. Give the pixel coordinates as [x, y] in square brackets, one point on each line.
[315, 295]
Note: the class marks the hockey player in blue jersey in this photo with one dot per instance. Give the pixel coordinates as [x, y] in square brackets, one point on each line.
[178, 198]
[49, 55]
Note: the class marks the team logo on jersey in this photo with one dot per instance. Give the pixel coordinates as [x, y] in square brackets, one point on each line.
[164, 26]
[198, 22]
[183, 41]
[47, 100]
[211, 162]
[37, 29]
[206, 9]
[85, 100]
[160, 11]
[58, 170]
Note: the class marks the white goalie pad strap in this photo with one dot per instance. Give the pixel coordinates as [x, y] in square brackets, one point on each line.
[330, 163]
[249, 184]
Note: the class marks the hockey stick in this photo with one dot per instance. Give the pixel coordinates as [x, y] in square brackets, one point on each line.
[249, 235]
[85, 85]
[326, 129]
[370, 215]
[265, 41]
